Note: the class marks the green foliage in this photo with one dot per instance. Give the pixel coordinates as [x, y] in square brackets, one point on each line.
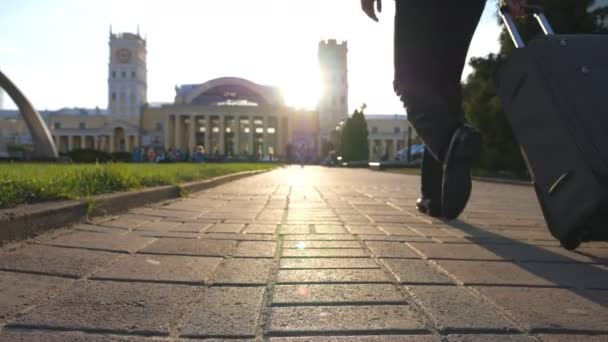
[482, 106]
[484, 110]
[22, 183]
[88, 155]
[354, 145]
[122, 157]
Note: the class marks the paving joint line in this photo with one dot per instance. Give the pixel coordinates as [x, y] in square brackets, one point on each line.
[265, 309]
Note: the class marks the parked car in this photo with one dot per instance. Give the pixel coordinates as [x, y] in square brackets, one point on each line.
[415, 154]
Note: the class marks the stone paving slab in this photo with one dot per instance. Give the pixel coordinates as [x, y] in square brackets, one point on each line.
[239, 271]
[384, 249]
[333, 276]
[230, 311]
[542, 309]
[66, 262]
[326, 253]
[321, 244]
[115, 306]
[409, 271]
[53, 336]
[493, 273]
[123, 243]
[344, 319]
[454, 309]
[192, 247]
[297, 263]
[491, 338]
[337, 293]
[19, 290]
[377, 338]
[161, 268]
[256, 249]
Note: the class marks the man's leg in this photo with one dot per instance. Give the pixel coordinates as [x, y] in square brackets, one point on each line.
[431, 43]
[431, 179]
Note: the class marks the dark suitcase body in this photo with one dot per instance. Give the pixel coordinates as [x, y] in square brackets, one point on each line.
[555, 94]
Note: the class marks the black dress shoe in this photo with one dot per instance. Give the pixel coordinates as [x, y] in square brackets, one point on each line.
[429, 207]
[463, 150]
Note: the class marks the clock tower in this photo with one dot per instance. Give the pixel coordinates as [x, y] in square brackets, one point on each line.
[127, 78]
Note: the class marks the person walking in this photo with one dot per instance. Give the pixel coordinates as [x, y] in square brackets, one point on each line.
[432, 38]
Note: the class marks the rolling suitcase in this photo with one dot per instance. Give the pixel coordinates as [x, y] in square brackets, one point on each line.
[554, 93]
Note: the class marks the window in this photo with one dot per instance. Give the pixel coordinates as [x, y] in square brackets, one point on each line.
[397, 129]
[374, 130]
[113, 74]
[132, 74]
[82, 125]
[343, 100]
[123, 74]
[57, 125]
[113, 96]
[159, 126]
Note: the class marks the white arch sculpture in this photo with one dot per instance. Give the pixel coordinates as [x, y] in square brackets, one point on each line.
[44, 146]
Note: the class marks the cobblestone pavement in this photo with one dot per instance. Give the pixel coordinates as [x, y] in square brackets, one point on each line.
[309, 254]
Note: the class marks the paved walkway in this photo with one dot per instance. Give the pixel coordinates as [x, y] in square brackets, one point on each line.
[309, 254]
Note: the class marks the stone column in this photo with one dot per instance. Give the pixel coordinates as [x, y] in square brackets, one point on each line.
[111, 143]
[96, 142]
[280, 132]
[83, 141]
[192, 136]
[395, 147]
[167, 132]
[237, 134]
[178, 132]
[265, 136]
[251, 135]
[208, 134]
[222, 142]
[70, 142]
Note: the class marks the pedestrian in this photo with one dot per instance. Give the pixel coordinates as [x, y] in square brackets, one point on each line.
[432, 38]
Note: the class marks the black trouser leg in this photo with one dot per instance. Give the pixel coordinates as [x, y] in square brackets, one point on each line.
[431, 176]
[432, 38]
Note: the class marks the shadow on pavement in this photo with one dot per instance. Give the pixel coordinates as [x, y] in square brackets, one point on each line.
[581, 276]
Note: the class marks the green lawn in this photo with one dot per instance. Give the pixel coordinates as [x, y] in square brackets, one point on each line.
[22, 183]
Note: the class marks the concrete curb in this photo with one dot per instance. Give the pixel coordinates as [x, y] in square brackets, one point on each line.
[28, 220]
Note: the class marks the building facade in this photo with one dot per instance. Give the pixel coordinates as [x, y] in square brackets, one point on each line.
[227, 116]
[387, 135]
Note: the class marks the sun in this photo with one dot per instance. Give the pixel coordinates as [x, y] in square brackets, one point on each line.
[303, 95]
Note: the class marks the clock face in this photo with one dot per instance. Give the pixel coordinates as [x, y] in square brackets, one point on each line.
[123, 55]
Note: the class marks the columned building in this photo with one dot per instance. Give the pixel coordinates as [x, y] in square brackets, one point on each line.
[387, 135]
[227, 116]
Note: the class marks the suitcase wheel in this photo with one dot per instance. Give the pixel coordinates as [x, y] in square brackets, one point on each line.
[571, 242]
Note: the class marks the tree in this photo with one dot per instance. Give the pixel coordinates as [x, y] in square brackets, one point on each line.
[353, 140]
[482, 106]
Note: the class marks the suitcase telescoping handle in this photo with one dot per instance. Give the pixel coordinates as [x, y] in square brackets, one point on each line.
[536, 11]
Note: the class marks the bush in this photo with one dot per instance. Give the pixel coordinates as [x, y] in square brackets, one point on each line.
[122, 157]
[88, 155]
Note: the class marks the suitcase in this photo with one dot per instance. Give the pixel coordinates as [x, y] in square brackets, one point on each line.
[554, 93]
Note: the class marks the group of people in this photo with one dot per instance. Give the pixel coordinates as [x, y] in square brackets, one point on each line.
[156, 155]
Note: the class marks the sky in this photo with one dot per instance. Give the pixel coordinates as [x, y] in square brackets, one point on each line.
[56, 51]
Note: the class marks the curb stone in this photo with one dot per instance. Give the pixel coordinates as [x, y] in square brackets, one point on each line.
[29, 220]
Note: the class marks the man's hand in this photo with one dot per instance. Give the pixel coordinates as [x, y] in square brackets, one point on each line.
[517, 8]
[368, 7]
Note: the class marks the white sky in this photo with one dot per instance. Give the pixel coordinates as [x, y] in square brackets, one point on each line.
[57, 50]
